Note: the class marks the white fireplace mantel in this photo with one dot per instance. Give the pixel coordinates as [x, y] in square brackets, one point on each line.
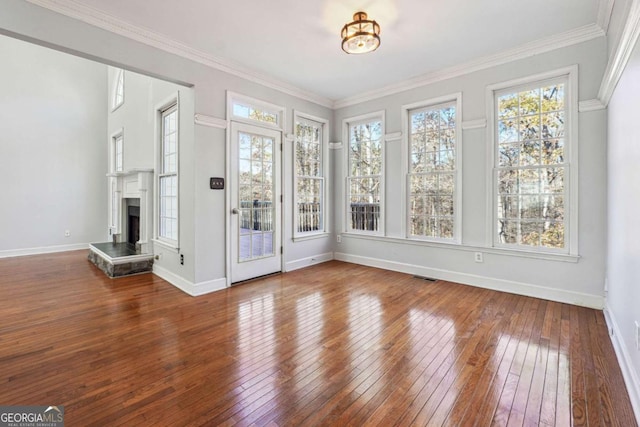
[132, 184]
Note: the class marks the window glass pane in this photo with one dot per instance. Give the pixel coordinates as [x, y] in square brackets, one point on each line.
[118, 153]
[168, 181]
[308, 170]
[365, 166]
[118, 96]
[530, 164]
[254, 113]
[432, 164]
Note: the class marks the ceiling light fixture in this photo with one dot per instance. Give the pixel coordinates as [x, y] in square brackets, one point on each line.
[360, 36]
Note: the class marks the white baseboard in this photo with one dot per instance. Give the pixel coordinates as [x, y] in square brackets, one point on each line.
[629, 373]
[209, 286]
[193, 289]
[306, 262]
[558, 295]
[43, 250]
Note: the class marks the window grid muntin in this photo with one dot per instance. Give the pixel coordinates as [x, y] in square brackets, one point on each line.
[364, 213]
[551, 225]
[309, 175]
[437, 159]
[168, 176]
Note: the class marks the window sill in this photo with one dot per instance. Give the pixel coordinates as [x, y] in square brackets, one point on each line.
[310, 236]
[166, 245]
[461, 247]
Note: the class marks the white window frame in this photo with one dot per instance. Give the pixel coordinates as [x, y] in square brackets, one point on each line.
[167, 108]
[113, 152]
[407, 110]
[570, 77]
[118, 83]
[236, 98]
[346, 126]
[324, 170]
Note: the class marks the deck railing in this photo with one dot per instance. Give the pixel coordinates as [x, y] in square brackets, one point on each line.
[365, 216]
[309, 217]
[258, 215]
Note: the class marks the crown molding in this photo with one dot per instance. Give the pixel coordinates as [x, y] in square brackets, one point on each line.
[210, 121]
[605, 8]
[96, 18]
[590, 105]
[474, 124]
[620, 58]
[547, 44]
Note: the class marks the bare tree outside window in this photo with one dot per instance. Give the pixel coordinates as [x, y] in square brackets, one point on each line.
[432, 171]
[365, 174]
[531, 167]
[309, 176]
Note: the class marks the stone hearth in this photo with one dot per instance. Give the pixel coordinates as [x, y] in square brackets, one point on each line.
[119, 259]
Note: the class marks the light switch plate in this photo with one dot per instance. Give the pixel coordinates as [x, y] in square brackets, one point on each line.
[216, 183]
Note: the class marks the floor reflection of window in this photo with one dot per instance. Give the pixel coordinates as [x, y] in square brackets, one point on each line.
[310, 324]
[256, 349]
[428, 331]
[365, 327]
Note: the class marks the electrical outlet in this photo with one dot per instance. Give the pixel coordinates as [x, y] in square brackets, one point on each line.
[637, 335]
[67, 233]
[339, 238]
[478, 257]
[181, 259]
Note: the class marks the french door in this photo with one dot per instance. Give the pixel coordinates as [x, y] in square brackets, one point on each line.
[255, 202]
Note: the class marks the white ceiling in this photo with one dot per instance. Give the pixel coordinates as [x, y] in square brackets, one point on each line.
[297, 41]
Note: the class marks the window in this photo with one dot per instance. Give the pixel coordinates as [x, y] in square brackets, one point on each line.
[365, 162]
[309, 176]
[168, 176]
[118, 91]
[532, 145]
[250, 110]
[433, 163]
[117, 153]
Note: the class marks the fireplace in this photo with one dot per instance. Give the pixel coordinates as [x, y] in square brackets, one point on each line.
[130, 225]
[133, 225]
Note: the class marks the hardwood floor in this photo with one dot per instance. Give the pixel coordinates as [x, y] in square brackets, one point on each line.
[335, 344]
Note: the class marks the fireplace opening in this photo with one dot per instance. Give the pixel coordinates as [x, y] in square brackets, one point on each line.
[133, 224]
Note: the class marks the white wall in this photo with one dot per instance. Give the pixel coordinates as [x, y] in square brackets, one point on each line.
[203, 211]
[53, 122]
[623, 266]
[580, 282]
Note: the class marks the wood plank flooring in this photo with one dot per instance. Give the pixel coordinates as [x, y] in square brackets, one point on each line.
[335, 344]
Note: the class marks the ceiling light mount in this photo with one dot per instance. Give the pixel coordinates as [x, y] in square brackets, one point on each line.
[360, 36]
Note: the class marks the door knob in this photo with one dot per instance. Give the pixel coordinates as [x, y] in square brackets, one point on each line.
[235, 211]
